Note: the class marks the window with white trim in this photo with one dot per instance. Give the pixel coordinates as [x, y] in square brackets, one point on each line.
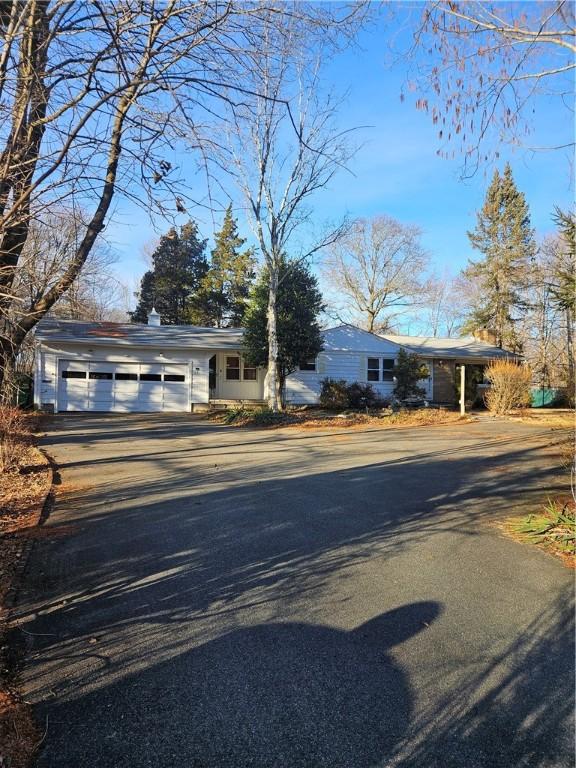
[387, 369]
[373, 369]
[232, 369]
[380, 369]
[249, 372]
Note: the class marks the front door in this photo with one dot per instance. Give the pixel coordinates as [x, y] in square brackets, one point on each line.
[212, 377]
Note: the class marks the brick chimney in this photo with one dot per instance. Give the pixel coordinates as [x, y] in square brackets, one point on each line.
[485, 334]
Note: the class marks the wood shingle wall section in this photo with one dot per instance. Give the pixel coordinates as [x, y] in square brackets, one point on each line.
[444, 378]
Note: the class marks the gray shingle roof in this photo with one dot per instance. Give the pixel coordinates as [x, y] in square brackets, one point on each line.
[184, 336]
[465, 347]
[53, 330]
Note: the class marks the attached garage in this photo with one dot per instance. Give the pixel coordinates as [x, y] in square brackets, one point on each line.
[125, 367]
[125, 387]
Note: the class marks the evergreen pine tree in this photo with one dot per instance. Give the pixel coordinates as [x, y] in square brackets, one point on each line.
[505, 239]
[145, 298]
[563, 289]
[564, 286]
[227, 285]
[179, 267]
[299, 302]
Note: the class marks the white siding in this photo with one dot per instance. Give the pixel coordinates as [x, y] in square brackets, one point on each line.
[345, 356]
[200, 381]
[303, 387]
[45, 387]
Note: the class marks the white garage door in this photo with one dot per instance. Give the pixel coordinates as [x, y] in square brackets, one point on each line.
[129, 387]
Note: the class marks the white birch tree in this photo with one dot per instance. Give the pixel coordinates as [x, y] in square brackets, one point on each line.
[284, 150]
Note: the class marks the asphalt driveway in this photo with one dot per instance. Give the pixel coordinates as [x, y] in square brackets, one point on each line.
[207, 597]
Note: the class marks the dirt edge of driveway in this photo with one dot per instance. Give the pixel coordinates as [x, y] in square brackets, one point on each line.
[20, 736]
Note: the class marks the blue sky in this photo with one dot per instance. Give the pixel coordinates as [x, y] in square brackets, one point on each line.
[397, 171]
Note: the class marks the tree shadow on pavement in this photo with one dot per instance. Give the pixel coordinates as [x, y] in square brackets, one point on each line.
[512, 709]
[288, 695]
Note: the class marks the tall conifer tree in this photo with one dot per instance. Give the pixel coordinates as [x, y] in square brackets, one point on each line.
[179, 267]
[506, 241]
[227, 284]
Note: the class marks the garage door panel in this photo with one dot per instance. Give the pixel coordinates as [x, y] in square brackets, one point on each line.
[123, 387]
[150, 407]
[174, 370]
[74, 365]
[151, 368]
[100, 385]
[144, 397]
[151, 394]
[74, 404]
[76, 385]
[102, 367]
[126, 394]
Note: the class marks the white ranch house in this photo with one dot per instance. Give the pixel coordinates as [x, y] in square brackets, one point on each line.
[83, 366]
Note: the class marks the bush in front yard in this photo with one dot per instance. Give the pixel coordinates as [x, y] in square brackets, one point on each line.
[362, 396]
[14, 431]
[408, 371]
[334, 394]
[337, 395]
[510, 386]
[266, 417]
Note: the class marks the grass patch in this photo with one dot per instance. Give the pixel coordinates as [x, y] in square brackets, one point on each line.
[553, 529]
[557, 418]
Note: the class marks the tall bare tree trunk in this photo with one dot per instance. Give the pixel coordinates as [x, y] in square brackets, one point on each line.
[271, 381]
[570, 349]
[7, 371]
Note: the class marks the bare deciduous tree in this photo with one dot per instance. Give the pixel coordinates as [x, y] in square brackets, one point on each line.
[485, 63]
[94, 100]
[96, 293]
[376, 272]
[445, 308]
[280, 159]
[547, 328]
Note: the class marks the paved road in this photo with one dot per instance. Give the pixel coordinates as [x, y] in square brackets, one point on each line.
[208, 597]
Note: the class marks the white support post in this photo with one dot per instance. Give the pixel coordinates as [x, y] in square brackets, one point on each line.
[462, 389]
